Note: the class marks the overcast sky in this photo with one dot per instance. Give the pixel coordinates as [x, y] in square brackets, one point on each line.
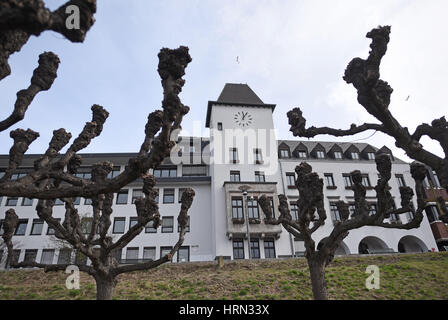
[291, 53]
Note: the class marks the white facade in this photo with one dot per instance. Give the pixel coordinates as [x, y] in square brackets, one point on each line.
[215, 229]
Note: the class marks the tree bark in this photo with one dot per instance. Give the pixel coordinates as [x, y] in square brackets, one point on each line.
[318, 283]
[104, 288]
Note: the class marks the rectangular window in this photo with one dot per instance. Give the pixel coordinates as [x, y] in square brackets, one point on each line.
[235, 176]
[165, 251]
[320, 154]
[436, 180]
[187, 228]
[237, 208]
[372, 209]
[329, 179]
[294, 210]
[366, 180]
[58, 202]
[47, 256]
[150, 227]
[11, 201]
[347, 180]
[86, 225]
[252, 208]
[191, 149]
[370, 156]
[119, 225]
[284, 153]
[400, 180]
[259, 176]
[271, 203]
[220, 126]
[84, 173]
[269, 248]
[156, 198]
[136, 193]
[168, 195]
[194, 171]
[181, 192]
[133, 221]
[291, 179]
[77, 201]
[337, 155]
[302, 154]
[16, 254]
[132, 255]
[36, 229]
[149, 253]
[355, 155]
[115, 172]
[21, 227]
[122, 196]
[351, 209]
[65, 256]
[167, 224]
[87, 201]
[335, 216]
[432, 212]
[258, 156]
[118, 253]
[255, 248]
[183, 254]
[50, 230]
[167, 172]
[30, 255]
[233, 155]
[238, 249]
[18, 175]
[26, 202]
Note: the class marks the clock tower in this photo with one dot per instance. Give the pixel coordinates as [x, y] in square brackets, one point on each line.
[243, 152]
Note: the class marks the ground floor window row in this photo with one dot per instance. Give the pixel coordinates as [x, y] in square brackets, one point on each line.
[268, 246]
[68, 256]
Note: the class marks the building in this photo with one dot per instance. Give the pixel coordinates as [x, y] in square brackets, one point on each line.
[242, 150]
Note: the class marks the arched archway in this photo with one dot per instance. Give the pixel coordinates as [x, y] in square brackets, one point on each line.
[342, 249]
[411, 244]
[370, 244]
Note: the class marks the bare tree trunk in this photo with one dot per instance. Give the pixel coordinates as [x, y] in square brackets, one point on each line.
[104, 288]
[318, 283]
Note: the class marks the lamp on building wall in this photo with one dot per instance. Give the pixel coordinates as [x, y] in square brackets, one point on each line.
[244, 189]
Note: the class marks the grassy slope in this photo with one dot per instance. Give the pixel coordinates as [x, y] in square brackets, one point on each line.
[419, 276]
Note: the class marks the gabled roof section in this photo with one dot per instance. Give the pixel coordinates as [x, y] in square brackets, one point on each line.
[236, 94]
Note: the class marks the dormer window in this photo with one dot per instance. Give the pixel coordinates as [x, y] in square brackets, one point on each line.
[320, 154]
[355, 155]
[284, 153]
[337, 155]
[371, 155]
[302, 154]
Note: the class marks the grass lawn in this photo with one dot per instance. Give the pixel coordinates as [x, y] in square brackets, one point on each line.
[414, 276]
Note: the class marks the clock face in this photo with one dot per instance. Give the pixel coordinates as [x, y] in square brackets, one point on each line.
[243, 118]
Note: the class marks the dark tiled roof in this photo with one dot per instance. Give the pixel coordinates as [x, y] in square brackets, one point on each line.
[238, 93]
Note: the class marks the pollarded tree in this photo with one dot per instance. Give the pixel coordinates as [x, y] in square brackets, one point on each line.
[374, 95]
[312, 214]
[54, 174]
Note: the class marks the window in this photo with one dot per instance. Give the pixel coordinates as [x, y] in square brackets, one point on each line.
[150, 227]
[194, 171]
[258, 156]
[237, 208]
[269, 248]
[133, 221]
[47, 256]
[351, 209]
[400, 180]
[409, 214]
[432, 212]
[88, 201]
[291, 179]
[84, 173]
[302, 154]
[395, 218]
[372, 209]
[234, 155]
[58, 202]
[271, 203]
[192, 149]
[18, 175]
[183, 254]
[337, 155]
[238, 249]
[181, 192]
[136, 193]
[220, 126]
[354, 155]
[26, 202]
[259, 176]
[294, 210]
[21, 227]
[118, 253]
[347, 180]
[252, 208]
[122, 196]
[254, 249]
[165, 251]
[167, 224]
[11, 201]
[149, 253]
[156, 198]
[365, 180]
[77, 201]
[131, 255]
[168, 195]
[119, 225]
[115, 172]
[370, 156]
[329, 179]
[165, 172]
[187, 228]
[16, 254]
[50, 230]
[320, 154]
[30, 255]
[36, 229]
[334, 213]
[86, 225]
[234, 176]
[284, 153]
